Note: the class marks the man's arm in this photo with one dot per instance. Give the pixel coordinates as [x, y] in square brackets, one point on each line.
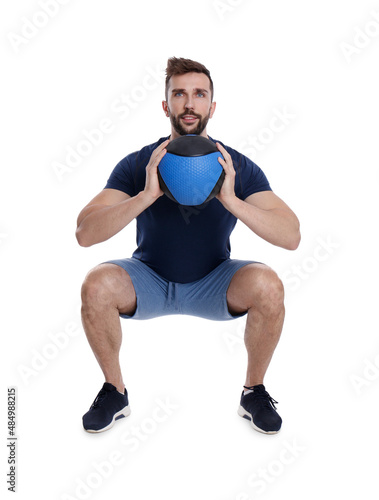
[112, 210]
[269, 217]
[264, 212]
[108, 213]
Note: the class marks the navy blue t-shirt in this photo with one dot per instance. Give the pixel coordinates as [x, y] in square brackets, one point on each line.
[184, 244]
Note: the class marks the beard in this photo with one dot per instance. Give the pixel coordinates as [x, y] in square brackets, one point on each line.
[179, 128]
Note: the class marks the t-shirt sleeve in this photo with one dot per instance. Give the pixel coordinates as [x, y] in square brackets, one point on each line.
[121, 178]
[253, 179]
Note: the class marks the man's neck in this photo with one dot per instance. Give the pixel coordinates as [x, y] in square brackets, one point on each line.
[175, 135]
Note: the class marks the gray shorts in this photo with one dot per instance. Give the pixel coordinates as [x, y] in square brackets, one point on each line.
[157, 296]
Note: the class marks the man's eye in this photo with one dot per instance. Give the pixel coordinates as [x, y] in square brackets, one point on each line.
[200, 94]
[178, 93]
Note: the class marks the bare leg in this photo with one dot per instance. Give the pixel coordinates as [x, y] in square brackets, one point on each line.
[107, 291]
[257, 289]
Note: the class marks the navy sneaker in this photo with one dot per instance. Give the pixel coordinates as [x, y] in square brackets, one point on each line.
[259, 407]
[109, 406]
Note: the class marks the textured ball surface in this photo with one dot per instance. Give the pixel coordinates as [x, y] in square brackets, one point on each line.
[190, 173]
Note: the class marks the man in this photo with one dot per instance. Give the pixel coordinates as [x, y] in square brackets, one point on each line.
[182, 265]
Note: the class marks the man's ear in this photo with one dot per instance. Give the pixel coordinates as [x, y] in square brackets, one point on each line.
[213, 109]
[165, 108]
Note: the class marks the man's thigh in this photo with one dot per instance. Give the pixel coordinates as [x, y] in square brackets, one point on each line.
[151, 290]
[206, 297]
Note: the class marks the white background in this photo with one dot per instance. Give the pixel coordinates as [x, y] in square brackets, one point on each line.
[264, 57]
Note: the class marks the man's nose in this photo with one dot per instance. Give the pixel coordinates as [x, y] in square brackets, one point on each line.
[189, 103]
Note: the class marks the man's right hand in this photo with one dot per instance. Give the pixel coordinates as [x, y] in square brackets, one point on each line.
[152, 187]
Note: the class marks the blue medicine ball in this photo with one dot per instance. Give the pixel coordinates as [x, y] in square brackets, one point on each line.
[190, 173]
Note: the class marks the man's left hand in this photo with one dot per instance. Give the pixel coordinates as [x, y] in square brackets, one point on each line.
[226, 193]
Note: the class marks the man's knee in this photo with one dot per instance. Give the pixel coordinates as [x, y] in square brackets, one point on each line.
[268, 290]
[105, 284]
[260, 288]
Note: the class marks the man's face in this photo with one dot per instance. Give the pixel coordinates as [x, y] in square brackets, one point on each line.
[189, 104]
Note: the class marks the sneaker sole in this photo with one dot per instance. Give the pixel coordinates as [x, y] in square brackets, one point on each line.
[125, 412]
[245, 414]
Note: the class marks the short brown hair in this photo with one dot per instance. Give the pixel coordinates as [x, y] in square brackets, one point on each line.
[181, 66]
